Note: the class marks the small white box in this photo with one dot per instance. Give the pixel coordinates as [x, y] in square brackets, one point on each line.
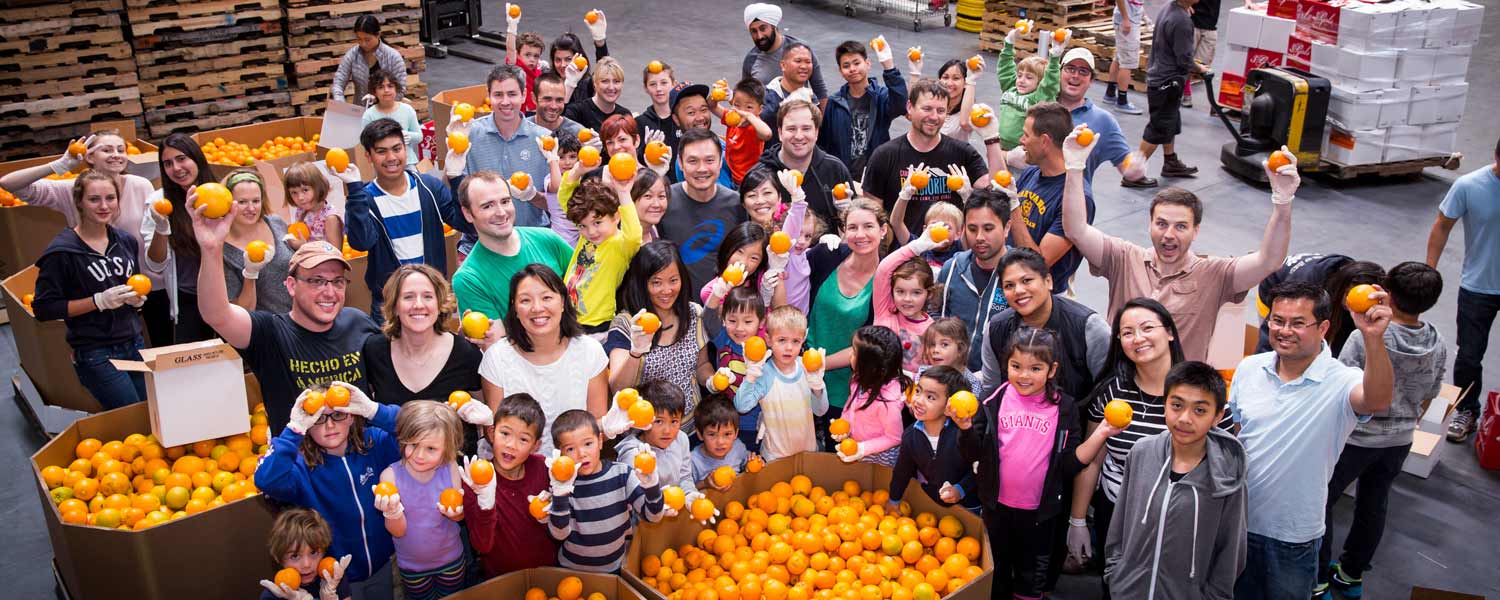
[1243, 28]
[1376, 109]
[1367, 26]
[1451, 65]
[1426, 451]
[1325, 60]
[1415, 66]
[195, 391]
[1440, 21]
[1274, 32]
[1364, 70]
[1411, 24]
[1236, 58]
[1439, 139]
[1403, 142]
[1355, 147]
[1437, 104]
[1466, 22]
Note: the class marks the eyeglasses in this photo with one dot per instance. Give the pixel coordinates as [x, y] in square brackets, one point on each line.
[1143, 331]
[319, 282]
[1071, 70]
[1276, 323]
[335, 416]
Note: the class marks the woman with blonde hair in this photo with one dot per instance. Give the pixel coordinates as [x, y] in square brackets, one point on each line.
[609, 82]
[251, 222]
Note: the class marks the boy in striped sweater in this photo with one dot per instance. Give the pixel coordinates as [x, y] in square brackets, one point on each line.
[595, 507]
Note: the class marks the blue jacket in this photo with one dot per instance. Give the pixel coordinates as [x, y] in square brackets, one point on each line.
[367, 233]
[886, 102]
[341, 490]
[960, 298]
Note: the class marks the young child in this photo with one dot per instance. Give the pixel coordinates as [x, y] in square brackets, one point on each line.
[567, 158]
[658, 116]
[1188, 486]
[946, 343]
[745, 140]
[523, 50]
[429, 549]
[805, 229]
[875, 396]
[929, 448]
[1378, 447]
[742, 314]
[609, 235]
[501, 528]
[946, 214]
[1026, 438]
[903, 283]
[787, 395]
[744, 245]
[299, 539]
[388, 105]
[1031, 81]
[665, 438]
[307, 194]
[595, 524]
[717, 424]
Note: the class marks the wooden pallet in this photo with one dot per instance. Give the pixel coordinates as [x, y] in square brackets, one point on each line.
[296, 54]
[179, 98]
[223, 106]
[1390, 169]
[390, 29]
[105, 29]
[14, 13]
[194, 16]
[271, 73]
[69, 110]
[334, 10]
[233, 119]
[179, 71]
[36, 83]
[346, 23]
[190, 53]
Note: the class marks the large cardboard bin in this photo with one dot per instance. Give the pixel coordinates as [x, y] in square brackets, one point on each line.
[43, 346]
[218, 553]
[825, 470]
[514, 585]
[194, 390]
[442, 108]
[254, 134]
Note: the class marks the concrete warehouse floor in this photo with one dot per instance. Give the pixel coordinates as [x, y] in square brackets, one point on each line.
[1435, 531]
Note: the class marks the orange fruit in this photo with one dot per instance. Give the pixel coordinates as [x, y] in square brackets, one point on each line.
[549, 143]
[337, 159]
[734, 275]
[313, 403]
[451, 498]
[563, 468]
[969, 547]
[1358, 299]
[586, 134]
[217, 199]
[465, 113]
[1085, 137]
[980, 117]
[720, 382]
[718, 93]
[385, 488]
[326, 565]
[649, 323]
[1278, 160]
[337, 396]
[458, 398]
[877, 44]
[812, 360]
[655, 152]
[975, 62]
[580, 62]
[1024, 25]
[841, 191]
[673, 497]
[838, 427]
[139, 283]
[641, 415]
[475, 325]
[1059, 36]
[622, 166]
[626, 398]
[77, 149]
[755, 348]
[1118, 413]
[538, 508]
[723, 476]
[913, 54]
[654, 67]
[964, 404]
[300, 230]
[536, 594]
[458, 142]
[27, 299]
[733, 118]
[754, 465]
[256, 250]
[87, 448]
[848, 447]
[781, 242]
[520, 180]
[703, 508]
[797, 174]
[570, 588]
[918, 179]
[289, 577]
[163, 207]
[938, 230]
[86, 488]
[645, 463]
[1002, 178]
[481, 471]
[515, 11]
[588, 155]
[53, 475]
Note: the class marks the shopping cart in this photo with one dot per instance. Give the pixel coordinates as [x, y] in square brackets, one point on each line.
[918, 9]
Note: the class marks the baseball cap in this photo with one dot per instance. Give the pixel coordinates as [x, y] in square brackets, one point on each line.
[314, 253]
[1082, 54]
[688, 91]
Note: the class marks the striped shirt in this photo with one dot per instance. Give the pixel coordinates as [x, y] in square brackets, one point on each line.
[1148, 419]
[402, 217]
[596, 522]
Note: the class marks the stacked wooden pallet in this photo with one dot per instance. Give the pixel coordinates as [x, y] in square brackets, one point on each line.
[320, 32]
[1100, 39]
[1090, 21]
[62, 66]
[208, 64]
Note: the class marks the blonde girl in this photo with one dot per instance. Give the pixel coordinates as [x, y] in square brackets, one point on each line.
[429, 549]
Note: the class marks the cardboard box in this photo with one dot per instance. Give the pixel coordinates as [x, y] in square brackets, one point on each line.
[1355, 146]
[1439, 138]
[1426, 451]
[1230, 94]
[1325, 60]
[514, 585]
[1274, 32]
[1235, 59]
[216, 553]
[1403, 142]
[1319, 20]
[1467, 19]
[1286, 9]
[1415, 67]
[1299, 52]
[25, 232]
[1363, 70]
[825, 470]
[1243, 28]
[42, 347]
[1375, 109]
[256, 133]
[1226, 347]
[1451, 65]
[1260, 58]
[193, 390]
[1437, 104]
[1411, 25]
[1440, 21]
[442, 107]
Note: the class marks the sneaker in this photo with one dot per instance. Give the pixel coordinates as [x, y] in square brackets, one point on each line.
[1127, 108]
[1187, 101]
[1460, 426]
[1143, 182]
[1177, 169]
[1320, 591]
[1350, 587]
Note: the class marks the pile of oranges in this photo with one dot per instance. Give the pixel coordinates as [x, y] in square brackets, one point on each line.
[797, 541]
[136, 483]
[221, 152]
[8, 199]
[570, 588]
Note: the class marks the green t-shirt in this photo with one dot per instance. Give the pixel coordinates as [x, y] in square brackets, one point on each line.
[836, 317]
[483, 282]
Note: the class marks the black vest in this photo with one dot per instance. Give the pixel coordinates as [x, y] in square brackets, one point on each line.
[1068, 320]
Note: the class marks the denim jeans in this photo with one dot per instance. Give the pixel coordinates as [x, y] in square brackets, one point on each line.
[112, 387]
[1476, 313]
[1376, 469]
[1277, 570]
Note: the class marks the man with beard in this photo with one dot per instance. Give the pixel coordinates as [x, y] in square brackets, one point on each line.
[1077, 76]
[925, 147]
[319, 341]
[796, 68]
[763, 62]
[700, 211]
[505, 142]
[797, 122]
[1191, 287]
[550, 102]
[970, 286]
[482, 283]
[690, 111]
[1040, 187]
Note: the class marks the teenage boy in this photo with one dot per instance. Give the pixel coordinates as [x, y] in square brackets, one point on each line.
[1166, 76]
[1188, 485]
[1378, 447]
[504, 533]
[859, 115]
[595, 524]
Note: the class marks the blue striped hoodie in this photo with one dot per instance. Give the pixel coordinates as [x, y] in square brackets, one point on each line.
[596, 522]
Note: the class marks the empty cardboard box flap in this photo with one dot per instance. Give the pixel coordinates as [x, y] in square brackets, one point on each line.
[195, 391]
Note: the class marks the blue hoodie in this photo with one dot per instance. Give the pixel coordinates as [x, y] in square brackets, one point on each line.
[367, 232]
[886, 103]
[960, 298]
[341, 490]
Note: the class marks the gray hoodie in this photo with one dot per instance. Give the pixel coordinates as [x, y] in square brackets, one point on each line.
[1418, 356]
[1178, 540]
[674, 463]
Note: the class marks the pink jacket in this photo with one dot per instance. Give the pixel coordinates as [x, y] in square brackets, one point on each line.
[887, 316]
[877, 427]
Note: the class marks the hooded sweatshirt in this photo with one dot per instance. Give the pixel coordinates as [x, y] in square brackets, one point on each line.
[961, 297]
[1178, 540]
[823, 172]
[1418, 356]
[69, 269]
[368, 230]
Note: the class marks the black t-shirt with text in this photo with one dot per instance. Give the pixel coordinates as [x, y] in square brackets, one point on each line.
[286, 358]
[886, 171]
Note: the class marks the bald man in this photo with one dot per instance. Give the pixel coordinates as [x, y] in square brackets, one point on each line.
[763, 62]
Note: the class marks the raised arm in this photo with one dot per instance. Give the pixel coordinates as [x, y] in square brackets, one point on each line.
[1076, 227]
[1252, 268]
[230, 321]
[1373, 394]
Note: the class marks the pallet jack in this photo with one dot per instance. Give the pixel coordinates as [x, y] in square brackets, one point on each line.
[447, 21]
[1284, 106]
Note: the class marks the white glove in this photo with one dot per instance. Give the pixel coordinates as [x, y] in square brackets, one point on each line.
[68, 161]
[571, 76]
[907, 191]
[598, 28]
[648, 479]
[859, 452]
[831, 241]
[512, 24]
[962, 173]
[367, 100]
[990, 130]
[159, 224]
[550, 155]
[914, 67]
[769, 281]
[389, 506]
[709, 382]
[617, 420]
[1135, 166]
[788, 182]
[453, 514]
[949, 493]
[476, 413]
[666, 163]
[922, 243]
[299, 421]
[485, 494]
[776, 262]
[521, 195]
[114, 297]
[1080, 546]
[455, 163]
[973, 77]
[883, 53]
[328, 586]
[838, 437]
[546, 496]
[280, 590]
[560, 487]
[1075, 155]
[350, 174]
[1013, 36]
[1015, 159]
[359, 403]
[688, 506]
[1058, 48]
[411, 138]
[753, 371]
[1284, 181]
[640, 341]
[252, 268]
[136, 300]
[456, 124]
[815, 378]
[717, 290]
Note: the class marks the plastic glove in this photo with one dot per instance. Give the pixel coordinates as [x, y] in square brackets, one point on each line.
[68, 161]
[1076, 155]
[411, 138]
[907, 191]
[949, 493]
[709, 382]
[560, 487]
[883, 53]
[454, 513]
[962, 173]
[549, 155]
[1080, 546]
[350, 174]
[512, 24]
[114, 297]
[1013, 36]
[136, 301]
[640, 341]
[831, 241]
[688, 504]
[922, 243]
[367, 100]
[300, 421]
[648, 479]
[1134, 166]
[280, 590]
[546, 497]
[159, 224]
[991, 130]
[598, 28]
[485, 494]
[973, 77]
[660, 169]
[476, 413]
[359, 403]
[1058, 48]
[788, 181]
[859, 453]
[914, 67]
[717, 290]
[776, 262]
[252, 268]
[389, 506]
[753, 371]
[1284, 181]
[769, 281]
[328, 586]
[572, 75]
[522, 195]
[455, 164]
[617, 420]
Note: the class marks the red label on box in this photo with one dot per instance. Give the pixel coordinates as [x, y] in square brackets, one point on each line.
[1286, 9]
[1319, 20]
[1229, 91]
[1259, 58]
[1341, 139]
[1296, 64]
[1299, 48]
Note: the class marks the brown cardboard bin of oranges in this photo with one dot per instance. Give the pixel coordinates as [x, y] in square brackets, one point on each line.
[43, 346]
[281, 143]
[932, 528]
[552, 582]
[220, 546]
[442, 103]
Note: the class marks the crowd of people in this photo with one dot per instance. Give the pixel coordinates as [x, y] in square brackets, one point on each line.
[914, 266]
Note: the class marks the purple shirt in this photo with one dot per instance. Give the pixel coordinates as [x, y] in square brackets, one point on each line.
[431, 539]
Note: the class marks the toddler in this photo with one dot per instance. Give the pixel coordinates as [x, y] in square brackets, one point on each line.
[788, 395]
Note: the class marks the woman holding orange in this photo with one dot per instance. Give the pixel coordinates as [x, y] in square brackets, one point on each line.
[171, 250]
